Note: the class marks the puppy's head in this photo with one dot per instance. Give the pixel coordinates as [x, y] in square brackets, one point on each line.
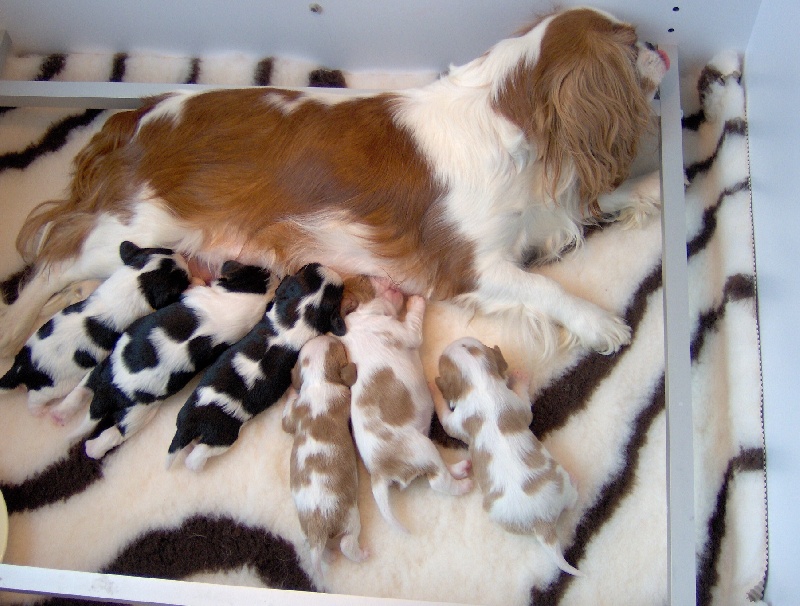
[163, 274]
[374, 296]
[463, 361]
[237, 277]
[324, 358]
[315, 293]
[583, 99]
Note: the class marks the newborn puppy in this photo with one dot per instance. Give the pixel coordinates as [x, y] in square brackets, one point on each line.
[159, 354]
[256, 372]
[391, 403]
[324, 471]
[76, 339]
[524, 489]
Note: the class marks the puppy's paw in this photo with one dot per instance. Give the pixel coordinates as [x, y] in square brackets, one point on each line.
[461, 470]
[416, 304]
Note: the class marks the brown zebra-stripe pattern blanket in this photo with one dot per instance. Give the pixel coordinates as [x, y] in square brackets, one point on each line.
[602, 417]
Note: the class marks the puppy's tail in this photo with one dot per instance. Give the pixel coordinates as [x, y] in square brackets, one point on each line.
[554, 549]
[380, 490]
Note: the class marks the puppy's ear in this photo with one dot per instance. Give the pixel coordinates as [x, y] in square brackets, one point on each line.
[451, 382]
[445, 388]
[498, 362]
[230, 267]
[297, 379]
[128, 252]
[349, 374]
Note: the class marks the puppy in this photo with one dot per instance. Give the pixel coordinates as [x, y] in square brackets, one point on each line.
[76, 339]
[392, 405]
[159, 354]
[324, 469]
[524, 489]
[256, 372]
[447, 188]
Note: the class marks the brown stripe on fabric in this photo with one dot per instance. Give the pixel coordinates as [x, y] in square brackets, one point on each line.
[611, 496]
[693, 122]
[709, 76]
[751, 459]
[570, 393]
[209, 544]
[327, 78]
[737, 288]
[51, 67]
[57, 482]
[11, 286]
[709, 224]
[206, 545]
[118, 67]
[57, 135]
[194, 71]
[263, 74]
[734, 126]
[53, 140]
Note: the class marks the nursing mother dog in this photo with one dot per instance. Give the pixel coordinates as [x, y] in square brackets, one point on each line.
[445, 188]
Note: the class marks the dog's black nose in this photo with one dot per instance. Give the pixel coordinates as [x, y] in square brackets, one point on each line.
[650, 46]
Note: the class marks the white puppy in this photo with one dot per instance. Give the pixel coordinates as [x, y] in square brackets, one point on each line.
[324, 468]
[524, 488]
[392, 406]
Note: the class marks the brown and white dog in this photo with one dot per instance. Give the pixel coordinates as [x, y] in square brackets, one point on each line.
[524, 488]
[392, 406]
[445, 188]
[323, 470]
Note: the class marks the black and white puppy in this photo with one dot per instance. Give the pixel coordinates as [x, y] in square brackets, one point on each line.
[159, 354]
[256, 372]
[76, 339]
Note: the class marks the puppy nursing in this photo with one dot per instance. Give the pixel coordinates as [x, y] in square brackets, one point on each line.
[160, 353]
[524, 489]
[392, 405]
[75, 340]
[256, 372]
[324, 473]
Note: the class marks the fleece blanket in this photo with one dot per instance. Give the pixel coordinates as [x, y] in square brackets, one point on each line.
[602, 417]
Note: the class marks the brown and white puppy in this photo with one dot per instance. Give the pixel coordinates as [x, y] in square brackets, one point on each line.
[447, 188]
[392, 405]
[524, 488]
[323, 472]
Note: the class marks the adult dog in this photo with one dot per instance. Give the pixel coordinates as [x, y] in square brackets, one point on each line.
[444, 189]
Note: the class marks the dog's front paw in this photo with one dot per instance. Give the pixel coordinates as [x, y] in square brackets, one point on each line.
[601, 331]
[645, 202]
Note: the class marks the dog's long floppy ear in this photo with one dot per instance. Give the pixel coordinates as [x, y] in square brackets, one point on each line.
[497, 362]
[297, 379]
[581, 104]
[349, 374]
[451, 382]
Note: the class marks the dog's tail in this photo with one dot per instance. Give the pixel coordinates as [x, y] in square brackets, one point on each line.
[56, 229]
[380, 490]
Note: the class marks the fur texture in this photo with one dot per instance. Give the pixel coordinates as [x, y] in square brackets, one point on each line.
[445, 188]
[392, 406]
[256, 372]
[160, 353]
[524, 488]
[324, 467]
[63, 350]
